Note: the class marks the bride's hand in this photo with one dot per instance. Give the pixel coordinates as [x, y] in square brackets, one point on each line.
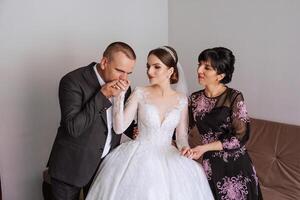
[122, 85]
[198, 151]
[186, 151]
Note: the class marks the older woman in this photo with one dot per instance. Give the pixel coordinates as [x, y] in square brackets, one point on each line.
[220, 114]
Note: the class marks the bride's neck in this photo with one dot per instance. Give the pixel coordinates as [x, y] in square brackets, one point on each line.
[164, 89]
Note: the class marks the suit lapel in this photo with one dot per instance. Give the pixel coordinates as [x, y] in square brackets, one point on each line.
[104, 117]
[90, 76]
[91, 79]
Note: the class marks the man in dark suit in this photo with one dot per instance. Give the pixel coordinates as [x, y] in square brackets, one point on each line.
[85, 134]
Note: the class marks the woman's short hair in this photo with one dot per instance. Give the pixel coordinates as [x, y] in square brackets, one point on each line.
[168, 56]
[221, 59]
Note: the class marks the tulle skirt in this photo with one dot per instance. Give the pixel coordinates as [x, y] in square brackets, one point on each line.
[143, 171]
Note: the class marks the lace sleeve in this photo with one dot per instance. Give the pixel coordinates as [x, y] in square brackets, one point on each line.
[122, 117]
[239, 134]
[182, 128]
[190, 113]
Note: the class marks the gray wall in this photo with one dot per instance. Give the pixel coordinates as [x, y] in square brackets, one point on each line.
[264, 36]
[40, 41]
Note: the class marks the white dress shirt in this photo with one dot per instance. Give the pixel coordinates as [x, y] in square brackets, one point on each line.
[109, 119]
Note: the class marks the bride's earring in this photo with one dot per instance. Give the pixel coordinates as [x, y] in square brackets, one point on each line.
[169, 76]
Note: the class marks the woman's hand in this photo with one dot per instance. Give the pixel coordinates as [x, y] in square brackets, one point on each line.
[110, 89]
[135, 132]
[122, 85]
[186, 151]
[198, 151]
[114, 88]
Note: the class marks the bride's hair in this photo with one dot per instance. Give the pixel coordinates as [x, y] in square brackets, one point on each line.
[168, 56]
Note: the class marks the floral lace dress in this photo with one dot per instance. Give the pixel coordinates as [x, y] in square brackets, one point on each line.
[224, 118]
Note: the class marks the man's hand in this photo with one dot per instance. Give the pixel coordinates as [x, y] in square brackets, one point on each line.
[114, 88]
[122, 85]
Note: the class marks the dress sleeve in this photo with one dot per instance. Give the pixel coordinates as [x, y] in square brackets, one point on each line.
[122, 117]
[190, 114]
[182, 127]
[239, 133]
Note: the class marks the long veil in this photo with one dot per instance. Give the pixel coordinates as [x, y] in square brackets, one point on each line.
[181, 85]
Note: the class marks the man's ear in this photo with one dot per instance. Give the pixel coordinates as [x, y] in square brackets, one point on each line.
[103, 62]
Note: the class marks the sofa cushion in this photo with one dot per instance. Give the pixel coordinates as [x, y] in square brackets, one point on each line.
[275, 151]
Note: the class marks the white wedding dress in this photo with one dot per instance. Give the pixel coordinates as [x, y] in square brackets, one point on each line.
[150, 167]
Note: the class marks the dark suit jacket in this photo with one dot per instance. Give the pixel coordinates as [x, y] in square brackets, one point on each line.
[82, 133]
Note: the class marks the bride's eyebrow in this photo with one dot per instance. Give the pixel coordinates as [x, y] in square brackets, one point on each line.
[153, 64]
[156, 64]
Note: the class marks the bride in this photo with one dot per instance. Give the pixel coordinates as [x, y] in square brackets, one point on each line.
[150, 167]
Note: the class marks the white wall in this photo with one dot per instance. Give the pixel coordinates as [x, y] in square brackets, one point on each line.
[40, 41]
[264, 36]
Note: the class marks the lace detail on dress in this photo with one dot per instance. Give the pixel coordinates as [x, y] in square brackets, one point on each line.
[207, 168]
[122, 117]
[254, 175]
[225, 155]
[138, 94]
[233, 143]
[201, 105]
[241, 112]
[152, 126]
[209, 137]
[233, 188]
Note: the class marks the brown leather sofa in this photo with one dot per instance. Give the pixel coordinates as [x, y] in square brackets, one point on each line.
[275, 151]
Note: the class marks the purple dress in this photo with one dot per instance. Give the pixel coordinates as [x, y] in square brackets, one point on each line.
[224, 118]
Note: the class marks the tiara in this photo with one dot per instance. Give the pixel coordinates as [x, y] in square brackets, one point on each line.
[169, 51]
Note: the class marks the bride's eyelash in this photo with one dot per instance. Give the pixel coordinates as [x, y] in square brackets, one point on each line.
[155, 66]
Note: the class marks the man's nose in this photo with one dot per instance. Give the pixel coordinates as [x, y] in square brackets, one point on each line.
[124, 76]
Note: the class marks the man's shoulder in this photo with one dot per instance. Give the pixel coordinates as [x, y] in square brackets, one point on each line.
[77, 73]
